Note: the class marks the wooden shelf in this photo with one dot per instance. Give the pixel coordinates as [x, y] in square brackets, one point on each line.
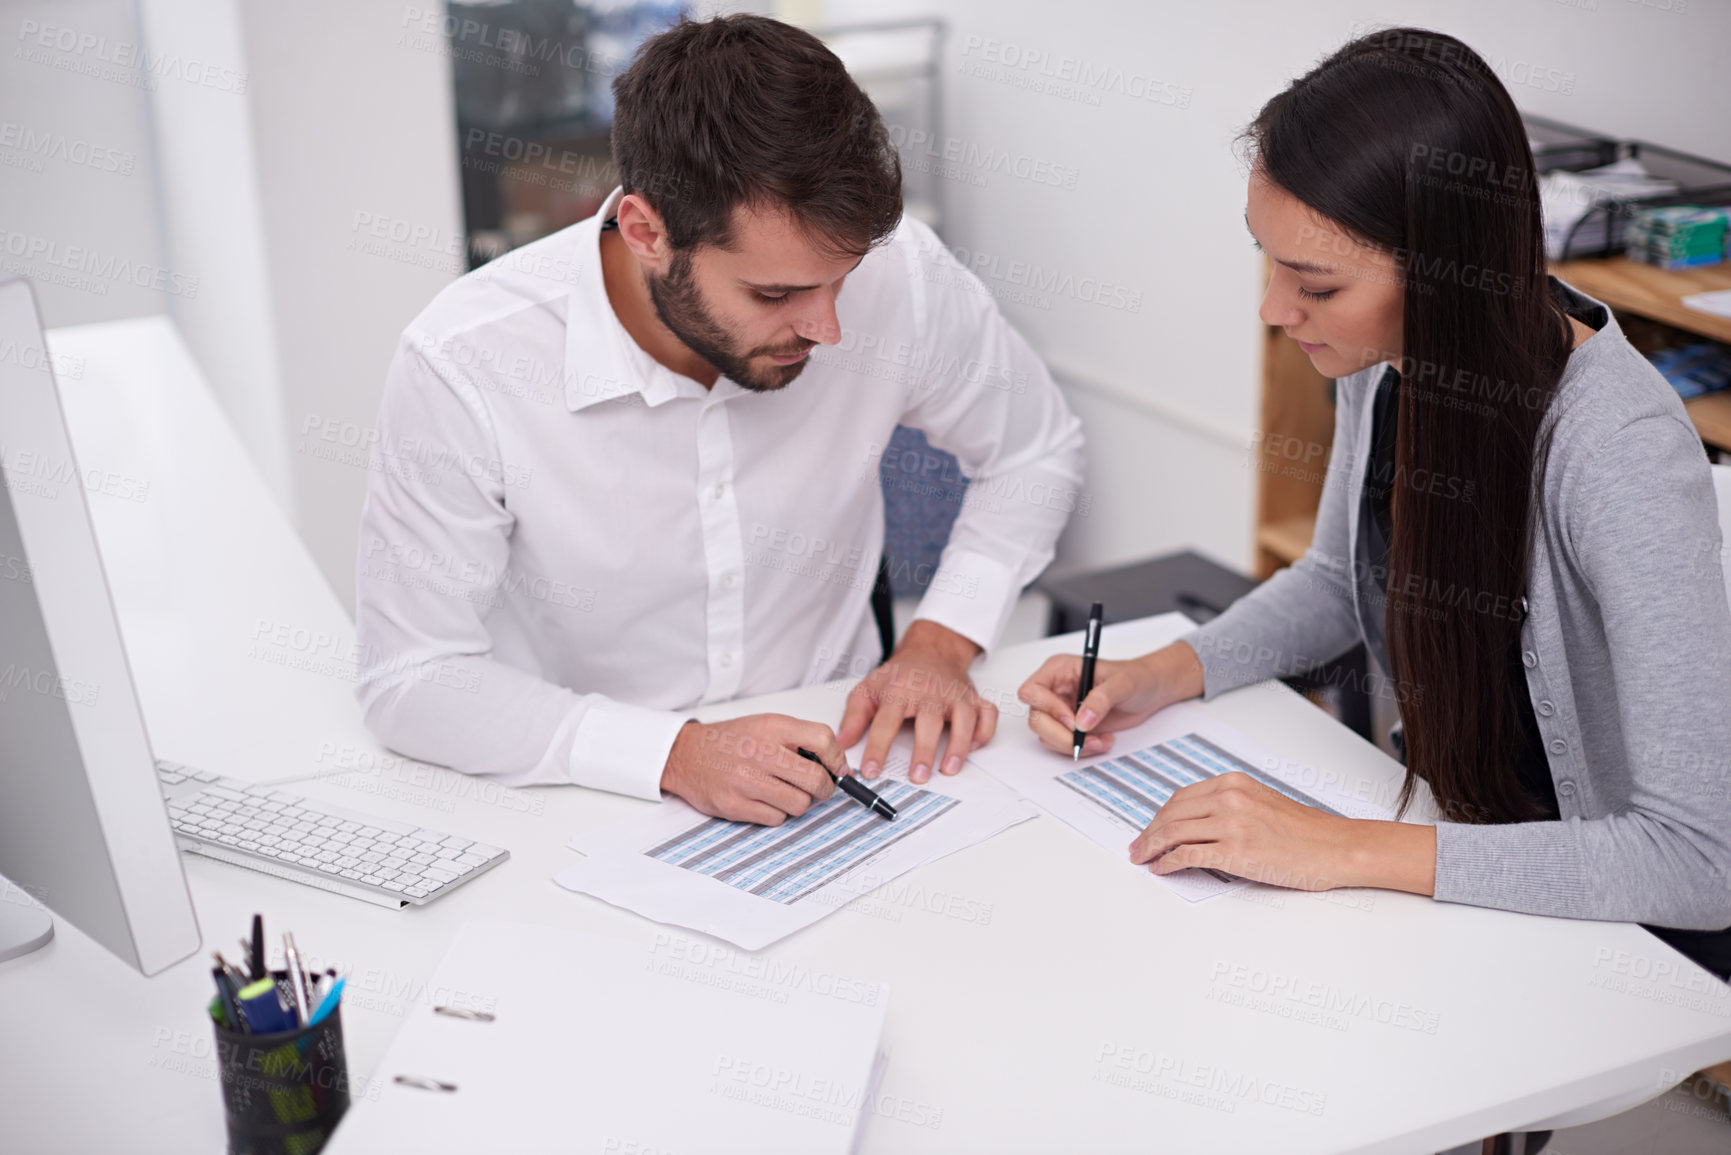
[1712, 417]
[1657, 294]
[1651, 292]
[1285, 541]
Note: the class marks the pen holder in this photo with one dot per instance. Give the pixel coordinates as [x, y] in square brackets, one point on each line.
[283, 1093]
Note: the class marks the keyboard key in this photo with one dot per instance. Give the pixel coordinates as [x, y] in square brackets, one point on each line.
[471, 860]
[393, 885]
[328, 867]
[446, 852]
[442, 873]
[350, 826]
[423, 859]
[417, 892]
[371, 879]
[485, 851]
[225, 792]
[458, 843]
[354, 874]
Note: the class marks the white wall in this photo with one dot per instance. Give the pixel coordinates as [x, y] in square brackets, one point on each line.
[1169, 391]
[78, 207]
[337, 119]
[213, 223]
[353, 114]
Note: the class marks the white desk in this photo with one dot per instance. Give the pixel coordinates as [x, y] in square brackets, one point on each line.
[1021, 968]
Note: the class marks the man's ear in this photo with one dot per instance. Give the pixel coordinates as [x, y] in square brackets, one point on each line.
[644, 233]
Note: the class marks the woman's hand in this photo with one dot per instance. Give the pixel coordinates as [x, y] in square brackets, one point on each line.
[1236, 824]
[1124, 694]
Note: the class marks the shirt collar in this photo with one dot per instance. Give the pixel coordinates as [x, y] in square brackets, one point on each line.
[602, 362]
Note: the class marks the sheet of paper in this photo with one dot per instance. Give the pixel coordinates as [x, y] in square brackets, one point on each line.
[1718, 302]
[606, 1044]
[1112, 797]
[752, 885]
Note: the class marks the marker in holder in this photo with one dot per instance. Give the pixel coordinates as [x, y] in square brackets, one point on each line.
[283, 1093]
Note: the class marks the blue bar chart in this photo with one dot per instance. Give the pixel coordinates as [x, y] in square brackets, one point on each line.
[1133, 787]
[785, 863]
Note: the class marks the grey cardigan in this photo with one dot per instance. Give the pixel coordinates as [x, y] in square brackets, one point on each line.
[1626, 641]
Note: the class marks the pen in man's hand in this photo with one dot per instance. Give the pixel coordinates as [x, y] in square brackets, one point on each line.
[1090, 654]
[854, 788]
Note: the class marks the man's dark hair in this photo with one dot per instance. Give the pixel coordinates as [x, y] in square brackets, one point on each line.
[745, 110]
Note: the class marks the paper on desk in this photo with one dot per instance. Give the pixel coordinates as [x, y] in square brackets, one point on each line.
[604, 1044]
[752, 885]
[1111, 797]
[1718, 303]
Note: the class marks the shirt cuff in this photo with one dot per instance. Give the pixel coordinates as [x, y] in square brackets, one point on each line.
[970, 594]
[623, 748]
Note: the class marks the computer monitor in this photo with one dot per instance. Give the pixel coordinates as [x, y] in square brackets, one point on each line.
[83, 827]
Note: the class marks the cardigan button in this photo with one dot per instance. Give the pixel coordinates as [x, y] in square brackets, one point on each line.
[1566, 788]
[1558, 746]
[1546, 709]
[1529, 659]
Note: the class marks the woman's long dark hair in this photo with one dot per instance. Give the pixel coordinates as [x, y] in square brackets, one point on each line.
[1405, 139]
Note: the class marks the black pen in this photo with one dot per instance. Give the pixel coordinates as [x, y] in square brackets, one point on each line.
[854, 788]
[257, 949]
[1090, 654]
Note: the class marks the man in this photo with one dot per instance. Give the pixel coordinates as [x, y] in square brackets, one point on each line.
[619, 474]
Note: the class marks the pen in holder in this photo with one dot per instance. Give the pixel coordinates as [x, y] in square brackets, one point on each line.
[283, 1093]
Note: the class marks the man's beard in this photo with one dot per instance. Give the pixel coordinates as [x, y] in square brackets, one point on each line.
[681, 308]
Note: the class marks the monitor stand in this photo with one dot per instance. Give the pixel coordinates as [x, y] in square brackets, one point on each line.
[22, 928]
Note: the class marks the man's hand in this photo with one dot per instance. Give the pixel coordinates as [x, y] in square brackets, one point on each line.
[926, 679]
[749, 769]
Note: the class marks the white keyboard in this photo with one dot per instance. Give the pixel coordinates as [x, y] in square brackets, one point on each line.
[274, 830]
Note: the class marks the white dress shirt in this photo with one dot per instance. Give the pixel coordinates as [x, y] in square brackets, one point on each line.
[566, 545]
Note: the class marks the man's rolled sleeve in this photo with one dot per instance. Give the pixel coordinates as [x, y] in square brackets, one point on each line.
[970, 594]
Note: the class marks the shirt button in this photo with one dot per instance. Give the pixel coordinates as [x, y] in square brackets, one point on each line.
[1558, 746]
[727, 581]
[720, 488]
[1546, 709]
[1529, 659]
[1566, 788]
[726, 658]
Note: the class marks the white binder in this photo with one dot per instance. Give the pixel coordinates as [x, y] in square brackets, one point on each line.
[537, 1038]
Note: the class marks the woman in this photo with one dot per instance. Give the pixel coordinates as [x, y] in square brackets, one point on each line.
[1518, 522]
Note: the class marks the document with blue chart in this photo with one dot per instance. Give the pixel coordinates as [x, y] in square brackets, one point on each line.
[1112, 797]
[752, 885]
